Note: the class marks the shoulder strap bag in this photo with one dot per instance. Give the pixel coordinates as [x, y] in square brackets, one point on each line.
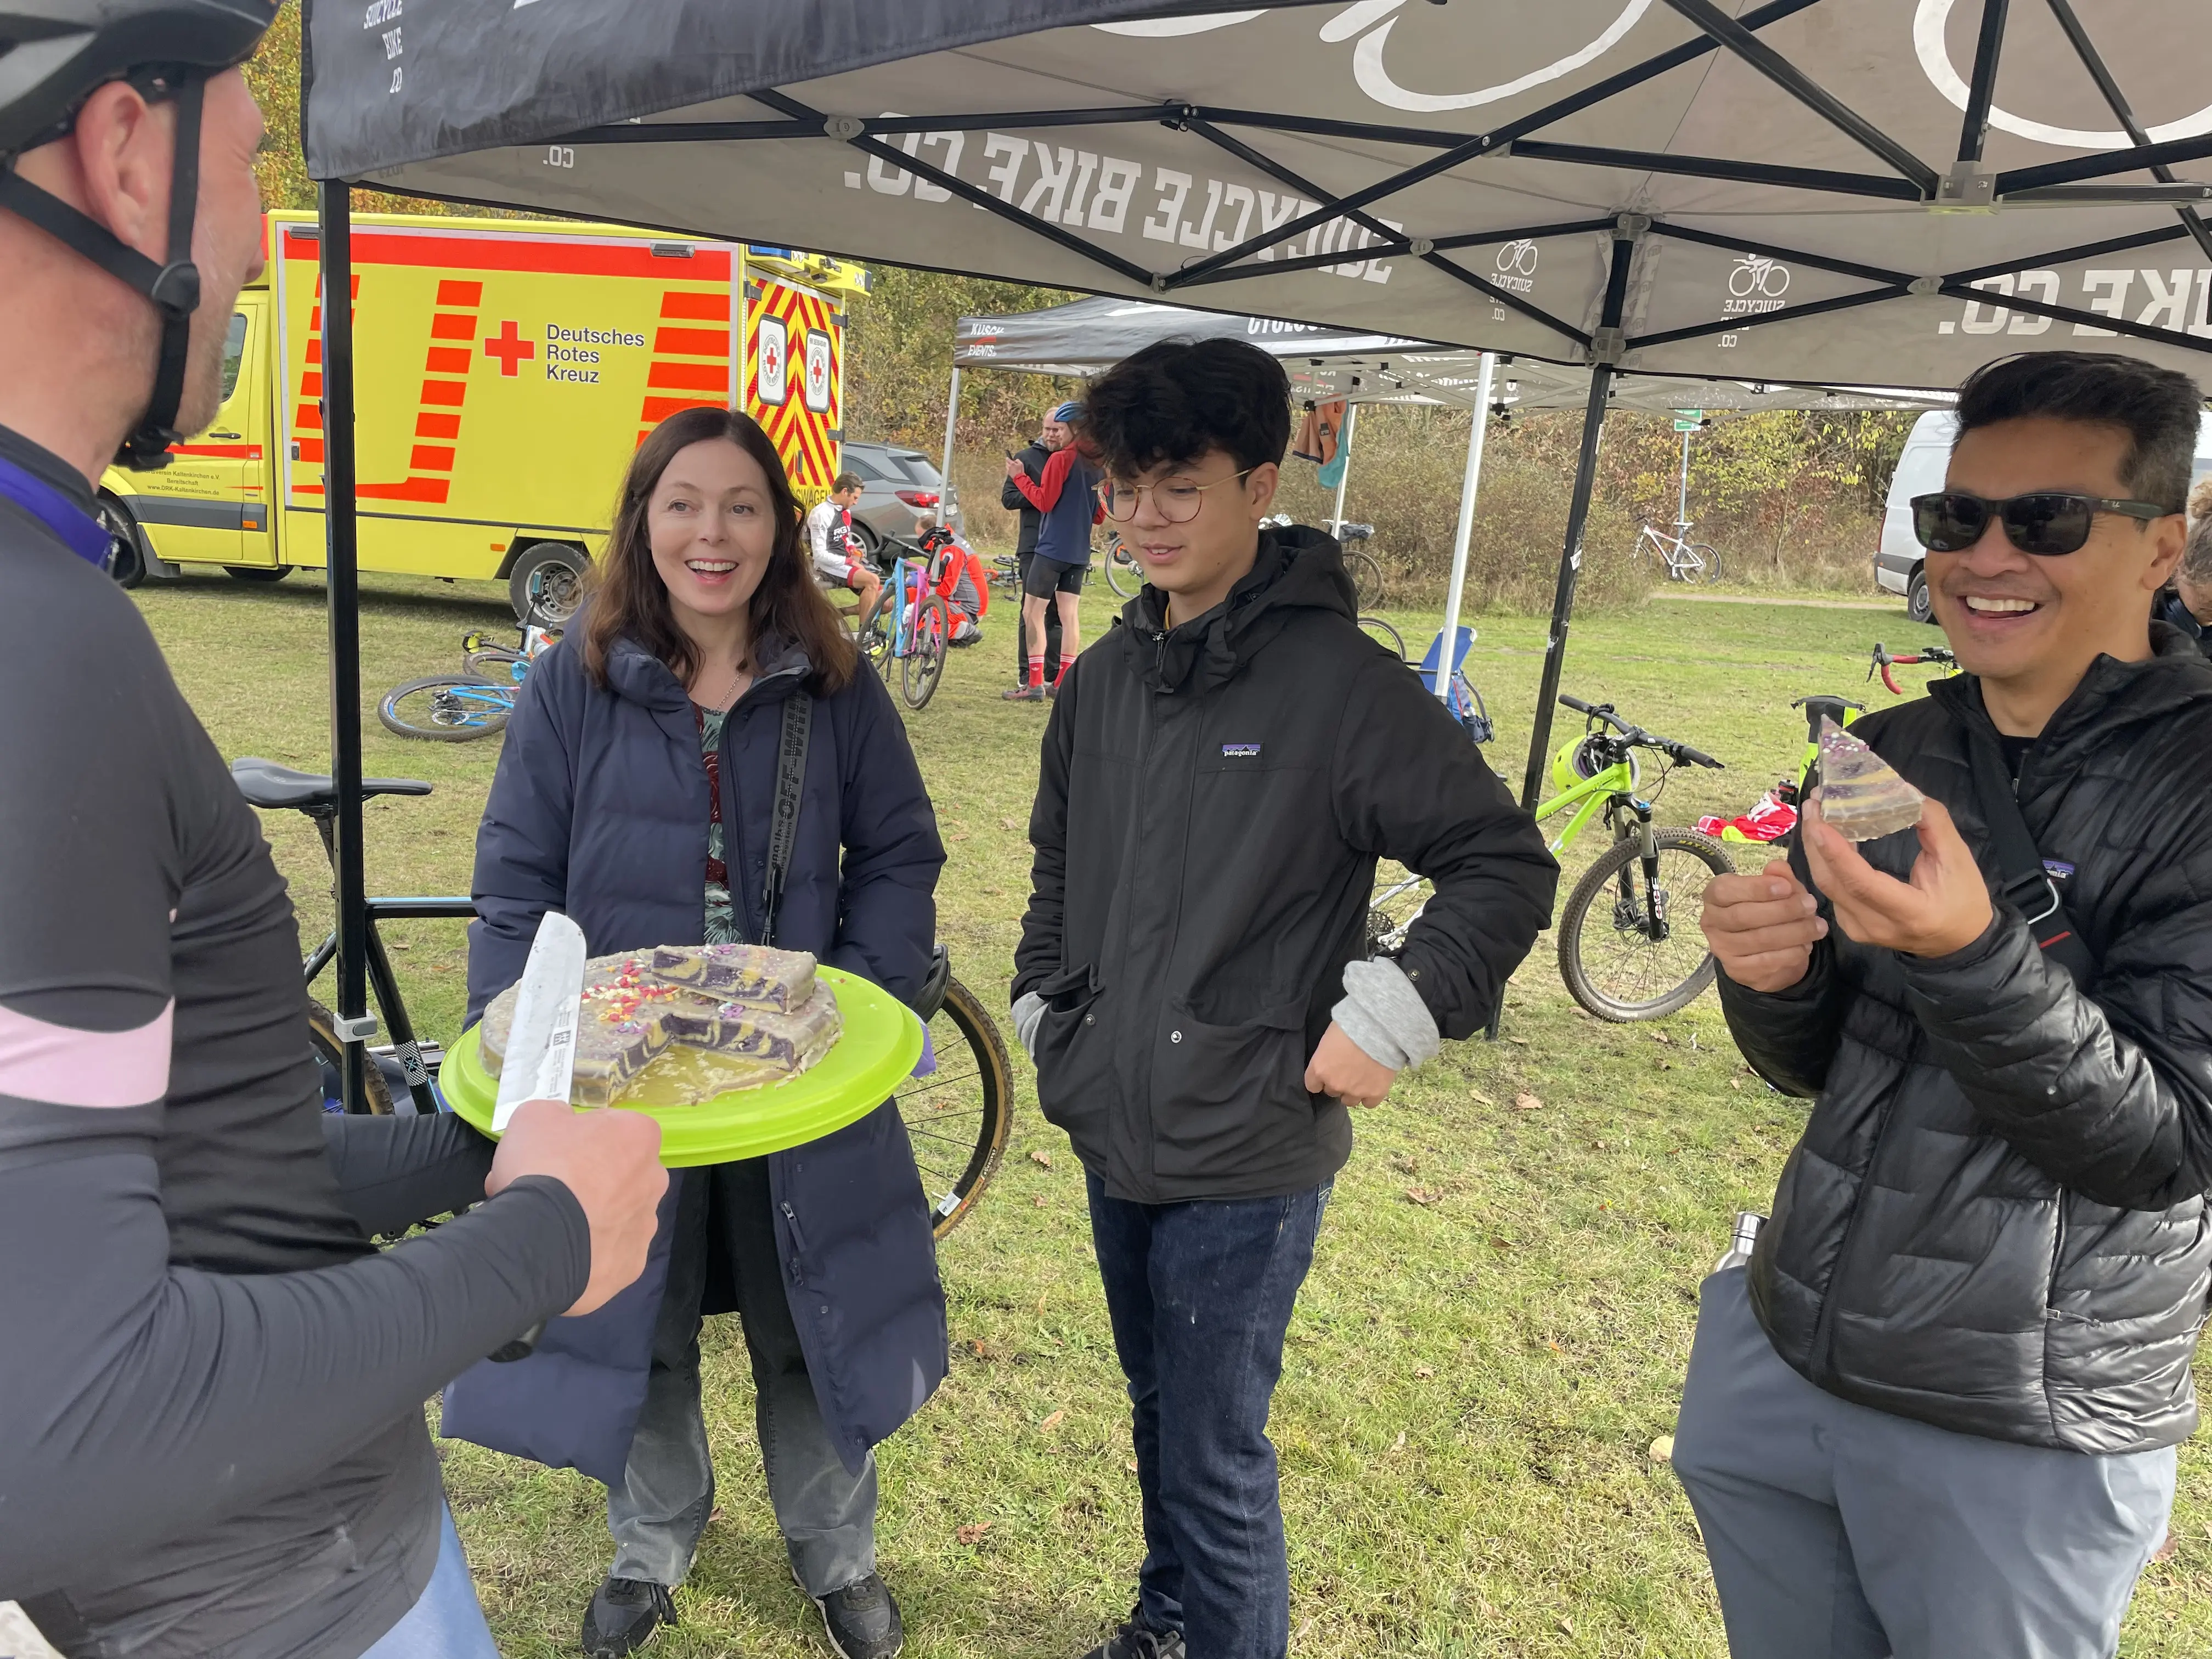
[2022, 880]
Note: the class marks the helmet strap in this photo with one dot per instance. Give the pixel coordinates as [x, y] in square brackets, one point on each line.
[173, 287]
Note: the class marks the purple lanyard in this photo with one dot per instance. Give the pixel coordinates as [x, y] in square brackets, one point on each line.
[83, 534]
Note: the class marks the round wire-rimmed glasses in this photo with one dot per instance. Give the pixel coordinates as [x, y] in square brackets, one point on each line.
[1175, 499]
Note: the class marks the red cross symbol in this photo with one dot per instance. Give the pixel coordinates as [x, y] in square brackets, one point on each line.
[770, 355]
[511, 348]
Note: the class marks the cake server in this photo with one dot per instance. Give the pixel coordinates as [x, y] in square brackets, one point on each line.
[541, 1046]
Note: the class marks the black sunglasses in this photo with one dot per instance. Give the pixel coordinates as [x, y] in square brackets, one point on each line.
[2047, 522]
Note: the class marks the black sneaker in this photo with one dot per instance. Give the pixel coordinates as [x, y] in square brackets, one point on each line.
[622, 1616]
[862, 1621]
[1138, 1640]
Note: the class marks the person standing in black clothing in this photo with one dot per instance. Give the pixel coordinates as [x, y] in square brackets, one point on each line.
[211, 1381]
[1033, 457]
[1220, 774]
[1937, 1412]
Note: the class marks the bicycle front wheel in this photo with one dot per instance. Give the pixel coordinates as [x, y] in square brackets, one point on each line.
[447, 707]
[497, 663]
[959, 1115]
[1123, 573]
[923, 666]
[1366, 573]
[1629, 947]
[1707, 567]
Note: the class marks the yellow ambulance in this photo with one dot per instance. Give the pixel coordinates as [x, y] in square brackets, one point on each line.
[505, 370]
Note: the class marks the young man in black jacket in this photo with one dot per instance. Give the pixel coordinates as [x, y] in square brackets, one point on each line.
[1033, 456]
[1937, 1414]
[1220, 774]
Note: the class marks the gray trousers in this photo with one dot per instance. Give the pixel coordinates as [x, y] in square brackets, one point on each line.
[1839, 1532]
[828, 1518]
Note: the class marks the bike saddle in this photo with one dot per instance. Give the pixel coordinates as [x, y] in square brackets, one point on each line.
[1839, 709]
[265, 783]
[1354, 532]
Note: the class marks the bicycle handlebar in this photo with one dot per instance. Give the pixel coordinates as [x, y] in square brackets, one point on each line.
[1636, 735]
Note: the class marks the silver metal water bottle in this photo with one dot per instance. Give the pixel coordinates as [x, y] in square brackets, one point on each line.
[1748, 1224]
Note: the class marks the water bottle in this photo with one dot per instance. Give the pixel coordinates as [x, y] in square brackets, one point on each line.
[1748, 1224]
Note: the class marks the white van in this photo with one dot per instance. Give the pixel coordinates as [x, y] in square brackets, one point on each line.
[1920, 472]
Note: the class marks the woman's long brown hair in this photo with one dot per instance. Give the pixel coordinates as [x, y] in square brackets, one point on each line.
[628, 600]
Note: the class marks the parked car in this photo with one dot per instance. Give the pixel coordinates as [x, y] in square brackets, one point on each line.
[1920, 470]
[900, 488]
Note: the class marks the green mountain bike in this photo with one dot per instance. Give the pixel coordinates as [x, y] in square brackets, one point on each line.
[1630, 948]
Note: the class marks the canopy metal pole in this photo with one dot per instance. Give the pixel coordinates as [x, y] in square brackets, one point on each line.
[335, 209]
[1682, 505]
[1463, 537]
[1344, 448]
[951, 414]
[1562, 596]
[1571, 555]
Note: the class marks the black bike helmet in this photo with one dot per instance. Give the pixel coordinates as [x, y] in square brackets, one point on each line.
[54, 54]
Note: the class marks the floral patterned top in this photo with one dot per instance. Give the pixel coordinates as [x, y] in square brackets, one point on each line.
[721, 918]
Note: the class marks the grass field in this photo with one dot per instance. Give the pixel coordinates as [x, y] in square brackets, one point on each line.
[1499, 1313]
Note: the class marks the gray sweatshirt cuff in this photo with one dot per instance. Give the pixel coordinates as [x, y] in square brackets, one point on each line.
[1385, 1016]
[1029, 1014]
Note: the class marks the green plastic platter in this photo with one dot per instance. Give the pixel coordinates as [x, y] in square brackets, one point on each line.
[881, 1043]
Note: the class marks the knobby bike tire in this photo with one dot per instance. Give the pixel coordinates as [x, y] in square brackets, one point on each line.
[323, 1035]
[959, 1117]
[483, 716]
[1366, 573]
[1583, 944]
[922, 669]
[1380, 631]
[873, 635]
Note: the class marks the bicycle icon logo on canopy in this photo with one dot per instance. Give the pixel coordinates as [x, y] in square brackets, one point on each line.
[1520, 256]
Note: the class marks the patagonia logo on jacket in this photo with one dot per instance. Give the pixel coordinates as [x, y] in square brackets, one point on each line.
[1240, 751]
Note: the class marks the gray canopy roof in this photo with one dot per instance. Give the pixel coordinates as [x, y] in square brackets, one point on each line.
[1087, 337]
[1821, 190]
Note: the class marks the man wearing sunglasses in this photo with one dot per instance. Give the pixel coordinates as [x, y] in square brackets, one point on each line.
[1936, 1415]
[1219, 776]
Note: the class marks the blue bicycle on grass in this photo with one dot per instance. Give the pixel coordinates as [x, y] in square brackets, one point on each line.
[910, 623]
[475, 703]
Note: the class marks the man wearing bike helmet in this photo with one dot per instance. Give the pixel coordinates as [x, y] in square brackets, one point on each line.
[213, 1383]
[1935, 1414]
[1068, 505]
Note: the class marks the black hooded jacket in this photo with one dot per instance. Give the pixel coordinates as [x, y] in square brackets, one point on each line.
[1995, 1221]
[1211, 806]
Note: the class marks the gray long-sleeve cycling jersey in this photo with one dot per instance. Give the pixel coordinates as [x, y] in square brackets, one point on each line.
[211, 1384]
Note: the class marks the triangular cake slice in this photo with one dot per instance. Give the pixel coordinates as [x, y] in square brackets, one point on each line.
[1861, 793]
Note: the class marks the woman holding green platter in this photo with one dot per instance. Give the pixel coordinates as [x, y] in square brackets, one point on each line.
[636, 794]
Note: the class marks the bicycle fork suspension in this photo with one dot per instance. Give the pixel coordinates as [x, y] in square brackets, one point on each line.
[1648, 915]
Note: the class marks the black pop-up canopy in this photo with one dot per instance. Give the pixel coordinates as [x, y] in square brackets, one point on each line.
[1813, 190]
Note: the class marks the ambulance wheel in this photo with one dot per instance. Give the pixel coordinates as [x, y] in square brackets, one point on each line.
[259, 573]
[127, 564]
[547, 583]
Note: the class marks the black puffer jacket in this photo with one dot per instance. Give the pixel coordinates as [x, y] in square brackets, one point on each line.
[1210, 808]
[1995, 1221]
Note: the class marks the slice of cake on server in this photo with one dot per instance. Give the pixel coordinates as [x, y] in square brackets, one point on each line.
[743, 1001]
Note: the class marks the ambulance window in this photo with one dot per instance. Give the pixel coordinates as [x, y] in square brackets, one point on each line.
[234, 354]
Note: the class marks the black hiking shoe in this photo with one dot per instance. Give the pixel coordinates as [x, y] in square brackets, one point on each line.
[1138, 1640]
[622, 1616]
[862, 1621]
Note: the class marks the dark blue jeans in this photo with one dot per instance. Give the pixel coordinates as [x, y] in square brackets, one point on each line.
[1201, 1295]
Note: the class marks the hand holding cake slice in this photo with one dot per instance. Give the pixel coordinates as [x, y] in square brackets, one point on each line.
[1862, 796]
